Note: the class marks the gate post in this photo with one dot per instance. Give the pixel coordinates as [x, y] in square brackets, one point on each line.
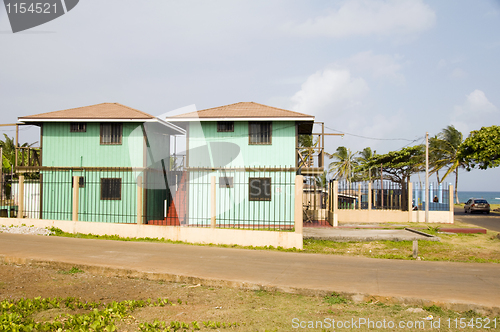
[335, 203]
[20, 193]
[213, 192]
[298, 212]
[450, 193]
[139, 200]
[76, 186]
[410, 202]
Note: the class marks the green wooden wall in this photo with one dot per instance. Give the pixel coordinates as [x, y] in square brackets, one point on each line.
[57, 197]
[60, 147]
[281, 153]
[233, 205]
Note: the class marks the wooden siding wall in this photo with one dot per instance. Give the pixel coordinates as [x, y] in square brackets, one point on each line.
[281, 153]
[63, 148]
[57, 197]
[233, 204]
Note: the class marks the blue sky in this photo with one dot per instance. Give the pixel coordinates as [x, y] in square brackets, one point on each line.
[390, 70]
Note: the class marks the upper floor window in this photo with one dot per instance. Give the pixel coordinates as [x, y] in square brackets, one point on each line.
[225, 126]
[260, 132]
[111, 133]
[77, 127]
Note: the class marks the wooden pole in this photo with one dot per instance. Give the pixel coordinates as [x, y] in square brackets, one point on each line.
[139, 200]
[17, 142]
[76, 186]
[1, 174]
[20, 209]
[213, 191]
[381, 188]
[426, 177]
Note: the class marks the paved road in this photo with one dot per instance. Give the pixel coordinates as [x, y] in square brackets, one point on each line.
[439, 282]
[488, 221]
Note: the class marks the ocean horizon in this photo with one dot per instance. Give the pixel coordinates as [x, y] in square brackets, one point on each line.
[493, 197]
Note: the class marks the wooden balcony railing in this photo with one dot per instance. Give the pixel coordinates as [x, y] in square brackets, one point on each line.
[28, 157]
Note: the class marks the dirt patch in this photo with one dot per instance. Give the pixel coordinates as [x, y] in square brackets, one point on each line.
[234, 309]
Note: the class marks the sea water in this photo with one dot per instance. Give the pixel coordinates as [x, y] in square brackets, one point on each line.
[493, 197]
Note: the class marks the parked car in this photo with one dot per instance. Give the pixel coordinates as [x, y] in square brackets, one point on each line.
[477, 205]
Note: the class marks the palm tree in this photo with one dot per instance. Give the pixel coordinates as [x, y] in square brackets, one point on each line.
[363, 172]
[444, 148]
[343, 163]
[9, 152]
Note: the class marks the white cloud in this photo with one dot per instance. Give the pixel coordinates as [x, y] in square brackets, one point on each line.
[458, 73]
[331, 89]
[476, 112]
[371, 17]
[380, 66]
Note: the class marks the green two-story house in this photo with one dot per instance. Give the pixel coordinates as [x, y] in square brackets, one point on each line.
[252, 151]
[108, 146]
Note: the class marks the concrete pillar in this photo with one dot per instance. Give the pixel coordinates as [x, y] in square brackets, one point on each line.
[298, 212]
[410, 201]
[20, 207]
[76, 191]
[213, 192]
[335, 203]
[139, 201]
[450, 190]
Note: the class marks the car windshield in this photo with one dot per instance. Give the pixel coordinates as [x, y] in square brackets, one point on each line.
[480, 201]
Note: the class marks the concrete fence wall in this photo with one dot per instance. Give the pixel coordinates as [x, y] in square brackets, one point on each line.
[174, 233]
[378, 216]
[243, 237]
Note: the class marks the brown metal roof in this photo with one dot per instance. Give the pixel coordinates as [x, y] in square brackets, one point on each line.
[99, 111]
[244, 110]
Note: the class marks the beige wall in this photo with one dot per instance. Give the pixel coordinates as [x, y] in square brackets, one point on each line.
[378, 216]
[174, 233]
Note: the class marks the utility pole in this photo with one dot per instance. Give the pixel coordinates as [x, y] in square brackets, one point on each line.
[426, 177]
[381, 188]
[1, 174]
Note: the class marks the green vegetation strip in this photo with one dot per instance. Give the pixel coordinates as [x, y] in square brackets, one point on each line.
[94, 316]
[467, 248]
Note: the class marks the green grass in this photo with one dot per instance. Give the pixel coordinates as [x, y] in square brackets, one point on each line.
[73, 270]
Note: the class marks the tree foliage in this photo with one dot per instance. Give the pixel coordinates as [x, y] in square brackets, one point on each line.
[482, 148]
[343, 163]
[444, 154]
[362, 172]
[398, 166]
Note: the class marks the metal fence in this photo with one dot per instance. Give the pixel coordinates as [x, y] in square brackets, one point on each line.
[387, 195]
[439, 196]
[315, 200]
[244, 198]
[381, 195]
[239, 198]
